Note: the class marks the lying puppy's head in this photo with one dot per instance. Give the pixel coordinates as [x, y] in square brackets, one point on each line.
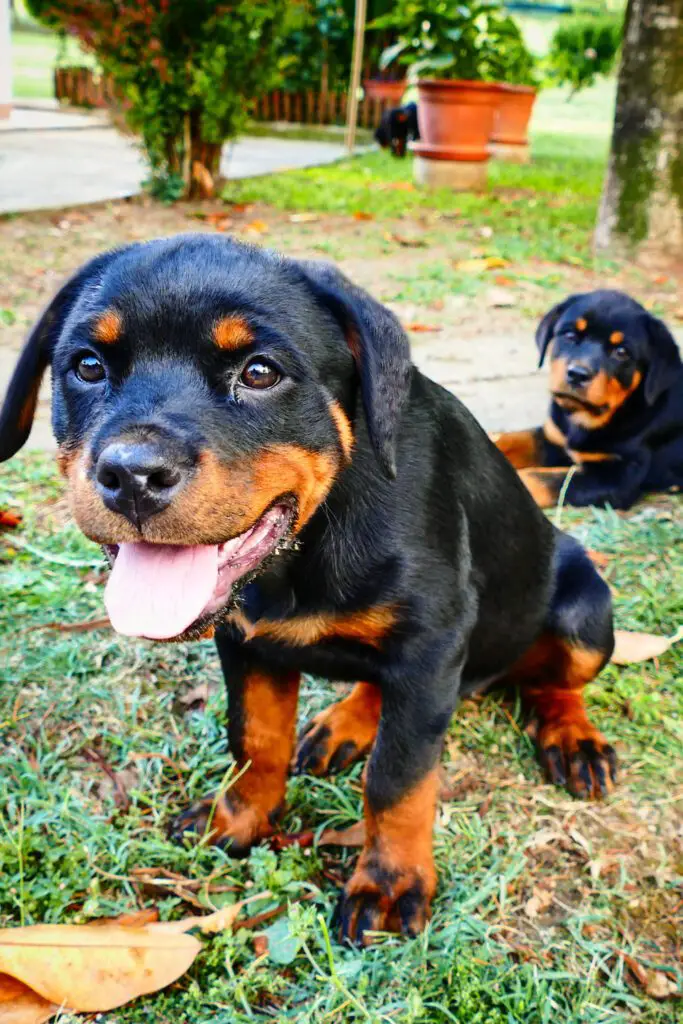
[203, 397]
[396, 127]
[605, 347]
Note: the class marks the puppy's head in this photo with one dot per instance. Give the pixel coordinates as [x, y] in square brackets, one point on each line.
[204, 394]
[604, 346]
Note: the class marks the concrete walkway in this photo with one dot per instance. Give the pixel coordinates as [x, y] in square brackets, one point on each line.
[51, 159]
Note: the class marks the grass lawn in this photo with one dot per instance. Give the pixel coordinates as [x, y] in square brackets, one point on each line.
[34, 55]
[546, 906]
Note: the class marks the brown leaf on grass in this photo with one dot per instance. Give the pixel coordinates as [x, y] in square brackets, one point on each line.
[95, 969]
[352, 836]
[418, 328]
[394, 186]
[540, 899]
[408, 243]
[77, 627]
[19, 1004]
[120, 780]
[480, 263]
[501, 298]
[260, 945]
[256, 227]
[630, 648]
[362, 215]
[303, 218]
[197, 696]
[9, 520]
[599, 558]
[656, 984]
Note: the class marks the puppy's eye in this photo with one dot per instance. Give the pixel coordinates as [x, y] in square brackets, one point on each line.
[259, 374]
[89, 369]
[621, 353]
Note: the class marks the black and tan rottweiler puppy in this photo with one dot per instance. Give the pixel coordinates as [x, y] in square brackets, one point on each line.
[246, 437]
[397, 128]
[616, 383]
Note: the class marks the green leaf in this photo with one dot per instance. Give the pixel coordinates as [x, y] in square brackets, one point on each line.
[283, 946]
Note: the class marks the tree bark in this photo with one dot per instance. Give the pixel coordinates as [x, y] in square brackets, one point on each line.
[642, 200]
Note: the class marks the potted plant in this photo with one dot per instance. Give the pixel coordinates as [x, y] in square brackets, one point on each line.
[517, 73]
[452, 49]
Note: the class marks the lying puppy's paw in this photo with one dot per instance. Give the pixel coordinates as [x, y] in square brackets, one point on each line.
[379, 898]
[577, 755]
[228, 824]
[341, 734]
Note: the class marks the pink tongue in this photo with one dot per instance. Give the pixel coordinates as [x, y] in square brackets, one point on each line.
[157, 590]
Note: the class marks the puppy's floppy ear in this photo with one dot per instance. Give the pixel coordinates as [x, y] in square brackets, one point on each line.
[545, 329]
[665, 360]
[18, 409]
[381, 351]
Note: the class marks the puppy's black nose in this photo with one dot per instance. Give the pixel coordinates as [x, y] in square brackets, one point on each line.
[578, 376]
[139, 479]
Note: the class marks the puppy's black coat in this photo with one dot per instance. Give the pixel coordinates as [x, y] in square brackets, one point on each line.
[202, 387]
[616, 412]
[397, 128]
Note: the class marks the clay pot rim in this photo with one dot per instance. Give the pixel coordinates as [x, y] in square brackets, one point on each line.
[461, 84]
[522, 89]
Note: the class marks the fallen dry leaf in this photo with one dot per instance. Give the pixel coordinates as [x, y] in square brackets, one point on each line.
[77, 627]
[97, 968]
[539, 901]
[418, 328]
[19, 1004]
[598, 558]
[630, 648]
[9, 520]
[395, 186]
[657, 984]
[303, 218]
[198, 695]
[352, 836]
[408, 243]
[362, 215]
[480, 263]
[256, 227]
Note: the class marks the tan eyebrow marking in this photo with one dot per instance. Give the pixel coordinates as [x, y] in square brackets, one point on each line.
[581, 324]
[616, 337]
[232, 332]
[108, 327]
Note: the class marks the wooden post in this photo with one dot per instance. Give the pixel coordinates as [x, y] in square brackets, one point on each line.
[354, 83]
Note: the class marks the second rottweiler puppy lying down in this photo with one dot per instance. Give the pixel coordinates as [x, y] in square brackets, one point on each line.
[246, 437]
[616, 412]
[397, 128]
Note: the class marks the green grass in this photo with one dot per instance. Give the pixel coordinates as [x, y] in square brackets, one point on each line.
[34, 56]
[68, 853]
[544, 211]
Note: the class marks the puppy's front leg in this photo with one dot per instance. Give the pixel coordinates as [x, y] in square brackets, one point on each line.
[395, 879]
[262, 707]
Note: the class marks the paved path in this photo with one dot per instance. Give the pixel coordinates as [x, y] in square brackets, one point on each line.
[50, 159]
[463, 365]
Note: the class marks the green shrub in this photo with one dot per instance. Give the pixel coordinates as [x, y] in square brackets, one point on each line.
[474, 40]
[583, 48]
[186, 72]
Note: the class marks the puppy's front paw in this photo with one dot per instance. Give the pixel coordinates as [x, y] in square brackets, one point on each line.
[226, 822]
[379, 898]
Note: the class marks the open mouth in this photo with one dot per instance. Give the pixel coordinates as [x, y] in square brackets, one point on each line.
[167, 591]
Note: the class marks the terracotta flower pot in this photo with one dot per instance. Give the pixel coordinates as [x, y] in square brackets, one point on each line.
[383, 89]
[456, 119]
[510, 137]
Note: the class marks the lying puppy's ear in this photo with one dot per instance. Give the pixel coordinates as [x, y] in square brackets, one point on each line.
[17, 412]
[380, 348]
[546, 328]
[665, 360]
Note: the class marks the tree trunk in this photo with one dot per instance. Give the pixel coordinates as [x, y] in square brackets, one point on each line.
[642, 201]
